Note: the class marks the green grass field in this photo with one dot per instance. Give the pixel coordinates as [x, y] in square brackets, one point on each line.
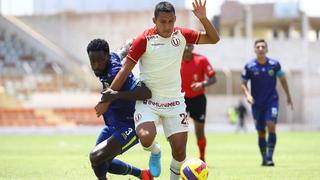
[229, 157]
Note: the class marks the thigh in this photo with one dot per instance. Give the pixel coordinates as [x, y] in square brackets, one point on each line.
[272, 112]
[105, 133]
[259, 118]
[126, 136]
[176, 121]
[144, 113]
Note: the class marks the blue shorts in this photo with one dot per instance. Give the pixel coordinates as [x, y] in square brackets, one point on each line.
[126, 135]
[267, 113]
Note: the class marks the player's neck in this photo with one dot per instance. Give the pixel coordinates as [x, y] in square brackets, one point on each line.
[262, 60]
[187, 58]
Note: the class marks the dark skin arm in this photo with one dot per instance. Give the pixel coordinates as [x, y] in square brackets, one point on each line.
[140, 92]
[198, 85]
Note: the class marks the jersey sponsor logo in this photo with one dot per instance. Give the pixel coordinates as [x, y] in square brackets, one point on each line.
[151, 37]
[157, 44]
[175, 41]
[161, 105]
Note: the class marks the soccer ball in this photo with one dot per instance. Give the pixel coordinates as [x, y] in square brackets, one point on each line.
[194, 169]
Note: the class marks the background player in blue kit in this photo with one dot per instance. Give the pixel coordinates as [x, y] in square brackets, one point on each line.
[119, 133]
[263, 72]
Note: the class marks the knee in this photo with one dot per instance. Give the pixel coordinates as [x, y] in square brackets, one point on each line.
[146, 138]
[146, 134]
[94, 157]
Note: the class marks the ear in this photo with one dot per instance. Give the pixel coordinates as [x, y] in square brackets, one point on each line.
[154, 20]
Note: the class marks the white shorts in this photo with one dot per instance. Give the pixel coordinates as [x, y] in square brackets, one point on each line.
[172, 112]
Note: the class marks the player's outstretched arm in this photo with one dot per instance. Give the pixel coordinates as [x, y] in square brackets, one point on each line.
[211, 35]
[140, 92]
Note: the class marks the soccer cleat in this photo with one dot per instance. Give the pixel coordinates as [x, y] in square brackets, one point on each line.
[146, 175]
[155, 164]
[267, 163]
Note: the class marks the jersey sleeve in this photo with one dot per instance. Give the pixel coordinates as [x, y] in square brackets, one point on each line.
[191, 36]
[245, 76]
[208, 69]
[137, 49]
[278, 70]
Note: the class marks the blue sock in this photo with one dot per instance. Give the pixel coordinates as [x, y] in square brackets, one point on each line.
[119, 167]
[263, 147]
[101, 170]
[272, 139]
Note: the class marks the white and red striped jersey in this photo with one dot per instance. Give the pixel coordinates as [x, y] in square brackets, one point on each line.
[160, 59]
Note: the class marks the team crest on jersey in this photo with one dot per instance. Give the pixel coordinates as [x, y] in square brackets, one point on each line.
[175, 41]
[271, 72]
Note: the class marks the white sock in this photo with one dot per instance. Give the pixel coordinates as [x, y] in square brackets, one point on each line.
[175, 169]
[154, 148]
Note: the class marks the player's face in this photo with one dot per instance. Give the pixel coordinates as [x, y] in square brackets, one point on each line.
[261, 49]
[165, 23]
[187, 51]
[99, 62]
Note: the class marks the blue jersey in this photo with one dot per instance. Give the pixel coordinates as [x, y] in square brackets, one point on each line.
[120, 112]
[263, 79]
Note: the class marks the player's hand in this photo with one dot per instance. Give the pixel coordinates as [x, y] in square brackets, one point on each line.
[109, 95]
[250, 99]
[101, 108]
[196, 86]
[199, 9]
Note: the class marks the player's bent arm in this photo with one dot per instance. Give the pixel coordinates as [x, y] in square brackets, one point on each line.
[140, 92]
[209, 81]
[122, 75]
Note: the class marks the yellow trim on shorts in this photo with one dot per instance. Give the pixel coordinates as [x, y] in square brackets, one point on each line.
[129, 143]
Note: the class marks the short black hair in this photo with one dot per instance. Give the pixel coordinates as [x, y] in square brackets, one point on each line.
[163, 6]
[259, 41]
[98, 45]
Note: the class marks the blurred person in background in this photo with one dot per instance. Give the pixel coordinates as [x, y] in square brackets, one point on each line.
[242, 113]
[119, 134]
[263, 72]
[194, 68]
[159, 50]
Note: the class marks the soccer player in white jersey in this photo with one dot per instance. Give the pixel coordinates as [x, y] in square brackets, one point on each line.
[159, 51]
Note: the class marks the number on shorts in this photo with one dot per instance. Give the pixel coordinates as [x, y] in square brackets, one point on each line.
[184, 118]
[129, 131]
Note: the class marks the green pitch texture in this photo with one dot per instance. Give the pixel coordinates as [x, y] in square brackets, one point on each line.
[229, 157]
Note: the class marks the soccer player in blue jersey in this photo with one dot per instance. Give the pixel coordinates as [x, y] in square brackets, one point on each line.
[119, 133]
[263, 71]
